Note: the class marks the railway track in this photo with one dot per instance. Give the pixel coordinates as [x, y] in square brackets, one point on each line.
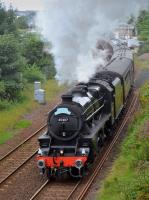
[16, 158]
[77, 190]
[55, 190]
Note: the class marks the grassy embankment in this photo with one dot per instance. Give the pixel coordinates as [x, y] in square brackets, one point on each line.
[129, 177]
[141, 64]
[11, 120]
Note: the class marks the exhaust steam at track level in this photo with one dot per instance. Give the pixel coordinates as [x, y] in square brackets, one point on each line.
[74, 27]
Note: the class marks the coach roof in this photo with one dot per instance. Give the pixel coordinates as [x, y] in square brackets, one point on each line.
[120, 66]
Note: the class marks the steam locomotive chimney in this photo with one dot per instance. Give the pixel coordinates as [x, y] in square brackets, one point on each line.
[67, 97]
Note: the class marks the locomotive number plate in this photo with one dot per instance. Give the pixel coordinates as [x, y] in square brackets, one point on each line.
[63, 119]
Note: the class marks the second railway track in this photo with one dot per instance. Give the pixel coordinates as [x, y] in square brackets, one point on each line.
[77, 190]
[13, 160]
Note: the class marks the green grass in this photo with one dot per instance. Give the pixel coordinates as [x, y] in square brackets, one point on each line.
[22, 124]
[12, 119]
[140, 63]
[4, 136]
[16, 111]
[129, 177]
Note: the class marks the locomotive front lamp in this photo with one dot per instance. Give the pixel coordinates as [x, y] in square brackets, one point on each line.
[83, 152]
[61, 152]
[64, 134]
[39, 152]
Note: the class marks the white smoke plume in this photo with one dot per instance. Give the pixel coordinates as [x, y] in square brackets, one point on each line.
[74, 26]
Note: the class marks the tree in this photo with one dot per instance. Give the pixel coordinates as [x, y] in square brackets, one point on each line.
[22, 55]
[47, 65]
[33, 49]
[143, 25]
[22, 22]
[132, 20]
[7, 21]
[10, 21]
[10, 68]
[3, 16]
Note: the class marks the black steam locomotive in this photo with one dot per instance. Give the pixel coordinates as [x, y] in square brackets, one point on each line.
[78, 126]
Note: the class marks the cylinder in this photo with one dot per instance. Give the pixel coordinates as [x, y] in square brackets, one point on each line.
[40, 96]
[37, 85]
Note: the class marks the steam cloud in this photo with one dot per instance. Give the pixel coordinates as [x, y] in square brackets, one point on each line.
[74, 27]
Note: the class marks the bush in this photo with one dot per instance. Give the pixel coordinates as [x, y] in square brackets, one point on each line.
[4, 104]
[144, 48]
[32, 73]
[2, 88]
[47, 66]
[32, 48]
[10, 68]
[143, 25]
[144, 95]
[129, 178]
[22, 22]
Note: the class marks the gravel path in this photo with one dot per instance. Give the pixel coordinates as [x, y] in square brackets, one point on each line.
[23, 184]
[144, 56]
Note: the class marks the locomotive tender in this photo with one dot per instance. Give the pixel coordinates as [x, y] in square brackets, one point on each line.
[79, 125]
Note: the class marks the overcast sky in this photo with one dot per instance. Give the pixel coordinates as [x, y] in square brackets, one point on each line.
[25, 4]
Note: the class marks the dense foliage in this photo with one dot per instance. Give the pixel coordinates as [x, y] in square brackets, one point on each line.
[23, 57]
[7, 21]
[33, 49]
[143, 25]
[10, 68]
[129, 179]
[144, 48]
[21, 22]
[143, 31]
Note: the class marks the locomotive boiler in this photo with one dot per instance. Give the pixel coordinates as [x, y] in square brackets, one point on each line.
[79, 125]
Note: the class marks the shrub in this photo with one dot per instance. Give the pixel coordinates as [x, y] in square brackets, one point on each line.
[33, 73]
[144, 48]
[4, 104]
[129, 178]
[10, 68]
[144, 95]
